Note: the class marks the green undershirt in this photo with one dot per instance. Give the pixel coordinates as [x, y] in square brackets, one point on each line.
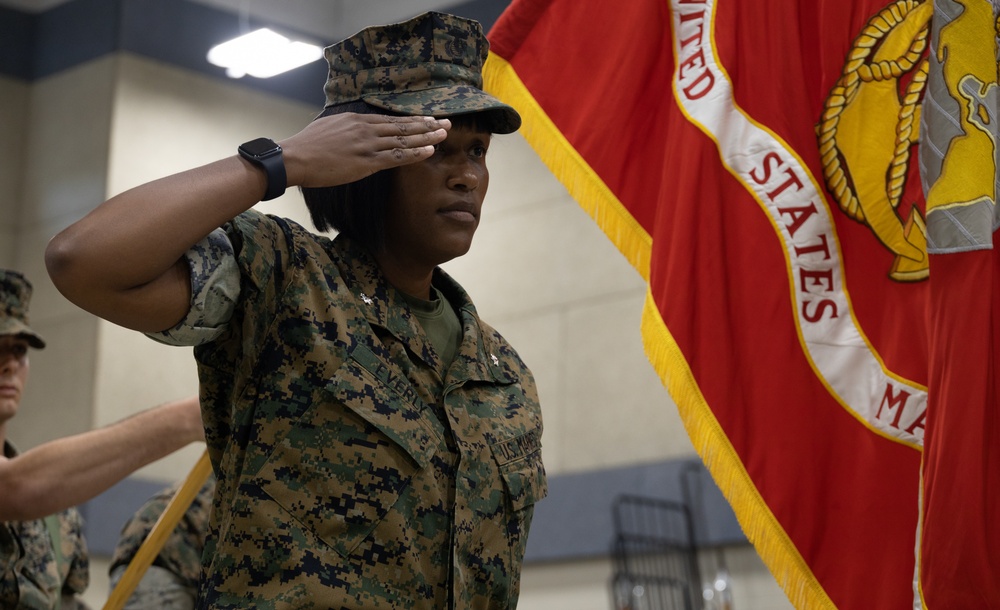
[440, 324]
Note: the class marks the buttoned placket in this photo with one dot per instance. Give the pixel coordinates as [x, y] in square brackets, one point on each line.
[403, 329]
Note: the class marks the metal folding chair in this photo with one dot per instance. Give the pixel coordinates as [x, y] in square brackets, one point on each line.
[655, 556]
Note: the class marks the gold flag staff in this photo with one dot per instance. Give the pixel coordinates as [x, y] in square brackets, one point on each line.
[162, 529]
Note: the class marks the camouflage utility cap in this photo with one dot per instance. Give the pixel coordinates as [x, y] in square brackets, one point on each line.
[430, 65]
[15, 293]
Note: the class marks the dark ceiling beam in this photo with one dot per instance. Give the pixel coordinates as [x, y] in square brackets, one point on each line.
[180, 32]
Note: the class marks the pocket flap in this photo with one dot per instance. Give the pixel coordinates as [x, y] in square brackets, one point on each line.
[335, 474]
[385, 398]
[520, 461]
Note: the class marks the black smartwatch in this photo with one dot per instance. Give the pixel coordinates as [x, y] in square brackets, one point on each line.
[267, 154]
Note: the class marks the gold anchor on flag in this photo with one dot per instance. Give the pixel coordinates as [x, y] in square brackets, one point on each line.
[869, 122]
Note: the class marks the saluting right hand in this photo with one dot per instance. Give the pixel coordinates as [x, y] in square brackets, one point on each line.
[343, 148]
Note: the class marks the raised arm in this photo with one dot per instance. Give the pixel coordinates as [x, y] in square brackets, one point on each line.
[74, 469]
[123, 261]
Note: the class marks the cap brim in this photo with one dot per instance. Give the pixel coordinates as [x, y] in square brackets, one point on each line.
[443, 102]
[19, 329]
[34, 340]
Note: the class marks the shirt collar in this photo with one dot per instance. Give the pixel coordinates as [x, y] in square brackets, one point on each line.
[383, 306]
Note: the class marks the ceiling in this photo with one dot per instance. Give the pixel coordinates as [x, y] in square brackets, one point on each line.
[70, 32]
[319, 18]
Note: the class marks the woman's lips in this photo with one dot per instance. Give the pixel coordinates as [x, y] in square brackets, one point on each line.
[461, 211]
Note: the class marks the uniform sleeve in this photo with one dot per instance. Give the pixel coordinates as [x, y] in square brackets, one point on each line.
[74, 550]
[215, 289]
[8, 549]
[261, 256]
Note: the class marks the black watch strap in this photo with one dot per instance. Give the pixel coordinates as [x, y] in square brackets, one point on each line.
[267, 154]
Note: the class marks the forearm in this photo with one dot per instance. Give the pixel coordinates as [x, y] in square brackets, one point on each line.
[123, 261]
[71, 470]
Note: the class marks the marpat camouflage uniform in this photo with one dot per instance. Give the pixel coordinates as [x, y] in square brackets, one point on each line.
[29, 576]
[179, 561]
[356, 470]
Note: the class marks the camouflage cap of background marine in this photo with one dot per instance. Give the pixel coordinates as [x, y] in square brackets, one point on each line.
[430, 65]
[15, 293]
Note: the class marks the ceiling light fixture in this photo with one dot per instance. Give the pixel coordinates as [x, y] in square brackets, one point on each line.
[262, 53]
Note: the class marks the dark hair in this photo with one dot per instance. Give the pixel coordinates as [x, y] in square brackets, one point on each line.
[357, 209]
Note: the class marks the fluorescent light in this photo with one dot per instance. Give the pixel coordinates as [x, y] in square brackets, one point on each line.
[262, 53]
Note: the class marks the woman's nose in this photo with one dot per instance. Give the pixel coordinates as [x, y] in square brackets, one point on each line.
[464, 176]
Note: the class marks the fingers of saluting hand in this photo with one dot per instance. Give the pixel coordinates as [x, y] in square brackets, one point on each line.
[407, 140]
[346, 147]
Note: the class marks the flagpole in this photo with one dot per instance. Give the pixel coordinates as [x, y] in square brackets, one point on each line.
[158, 535]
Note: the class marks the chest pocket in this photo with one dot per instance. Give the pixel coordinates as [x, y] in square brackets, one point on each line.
[520, 462]
[345, 463]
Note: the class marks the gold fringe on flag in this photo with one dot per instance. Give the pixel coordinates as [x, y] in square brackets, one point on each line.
[720, 458]
[759, 524]
[583, 183]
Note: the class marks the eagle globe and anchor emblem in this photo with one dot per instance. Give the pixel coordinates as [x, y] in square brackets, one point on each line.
[869, 124]
[871, 121]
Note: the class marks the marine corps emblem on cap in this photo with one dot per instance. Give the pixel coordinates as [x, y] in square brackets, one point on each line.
[15, 293]
[430, 65]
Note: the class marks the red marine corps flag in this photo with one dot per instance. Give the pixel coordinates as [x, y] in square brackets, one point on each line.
[824, 328]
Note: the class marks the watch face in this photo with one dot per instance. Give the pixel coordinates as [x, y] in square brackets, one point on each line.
[260, 147]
